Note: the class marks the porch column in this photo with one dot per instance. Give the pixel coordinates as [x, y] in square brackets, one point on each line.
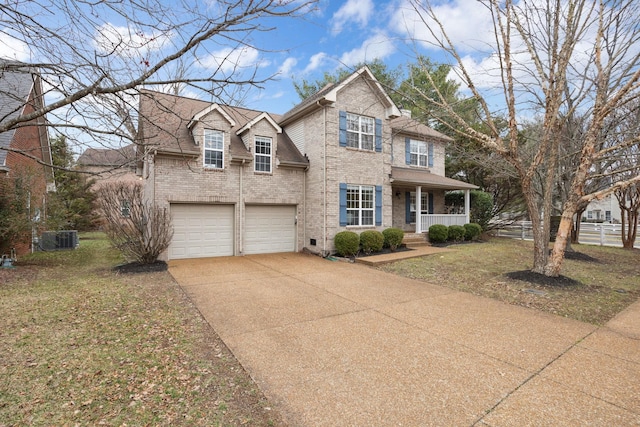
[467, 205]
[418, 212]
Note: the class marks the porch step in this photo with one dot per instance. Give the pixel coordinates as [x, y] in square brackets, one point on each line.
[413, 240]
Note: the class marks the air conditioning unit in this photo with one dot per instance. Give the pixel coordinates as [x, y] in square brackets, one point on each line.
[58, 240]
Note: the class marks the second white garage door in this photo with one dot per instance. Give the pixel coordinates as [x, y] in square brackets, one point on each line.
[201, 231]
[270, 229]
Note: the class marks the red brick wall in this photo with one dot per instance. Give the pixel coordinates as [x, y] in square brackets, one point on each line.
[27, 139]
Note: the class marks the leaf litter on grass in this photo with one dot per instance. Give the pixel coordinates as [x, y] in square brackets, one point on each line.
[603, 280]
[84, 345]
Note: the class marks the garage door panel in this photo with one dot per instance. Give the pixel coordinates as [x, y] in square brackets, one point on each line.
[270, 229]
[201, 231]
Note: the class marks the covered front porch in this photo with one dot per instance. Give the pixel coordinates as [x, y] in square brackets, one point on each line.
[419, 200]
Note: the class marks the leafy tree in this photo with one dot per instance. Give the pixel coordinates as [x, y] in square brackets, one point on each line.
[72, 205]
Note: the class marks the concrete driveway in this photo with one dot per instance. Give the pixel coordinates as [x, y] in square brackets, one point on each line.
[337, 344]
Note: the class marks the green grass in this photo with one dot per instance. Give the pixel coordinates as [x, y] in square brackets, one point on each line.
[607, 286]
[82, 345]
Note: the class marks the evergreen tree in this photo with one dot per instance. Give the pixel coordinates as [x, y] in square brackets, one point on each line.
[72, 205]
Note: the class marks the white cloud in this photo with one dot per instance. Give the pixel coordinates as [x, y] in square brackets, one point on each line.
[287, 66]
[229, 60]
[317, 61]
[379, 46]
[12, 48]
[468, 24]
[127, 42]
[356, 11]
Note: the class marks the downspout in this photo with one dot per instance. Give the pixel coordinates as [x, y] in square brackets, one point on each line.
[324, 181]
[240, 212]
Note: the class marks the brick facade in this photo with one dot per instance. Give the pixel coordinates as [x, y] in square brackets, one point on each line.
[178, 175]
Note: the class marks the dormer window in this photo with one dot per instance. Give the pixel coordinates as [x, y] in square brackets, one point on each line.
[263, 154]
[213, 149]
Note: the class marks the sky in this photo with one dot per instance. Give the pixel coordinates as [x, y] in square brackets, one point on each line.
[334, 34]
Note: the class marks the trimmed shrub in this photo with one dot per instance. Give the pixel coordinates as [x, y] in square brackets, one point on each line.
[472, 231]
[371, 241]
[393, 238]
[438, 233]
[456, 233]
[347, 243]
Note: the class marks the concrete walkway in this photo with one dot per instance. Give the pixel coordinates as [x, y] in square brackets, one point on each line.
[339, 344]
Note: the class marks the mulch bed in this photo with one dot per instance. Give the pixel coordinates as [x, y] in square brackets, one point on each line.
[540, 279]
[579, 256]
[136, 267]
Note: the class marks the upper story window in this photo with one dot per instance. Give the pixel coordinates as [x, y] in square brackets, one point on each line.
[360, 132]
[418, 153]
[263, 154]
[213, 149]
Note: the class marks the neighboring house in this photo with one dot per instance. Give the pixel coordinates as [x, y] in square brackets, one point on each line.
[110, 164]
[24, 149]
[240, 181]
[605, 210]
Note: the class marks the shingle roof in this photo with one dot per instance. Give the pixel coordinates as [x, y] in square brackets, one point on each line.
[16, 83]
[409, 126]
[415, 177]
[108, 157]
[164, 126]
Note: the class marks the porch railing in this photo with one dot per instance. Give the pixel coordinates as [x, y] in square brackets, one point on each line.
[427, 221]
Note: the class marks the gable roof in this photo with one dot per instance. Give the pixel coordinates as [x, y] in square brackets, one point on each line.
[16, 85]
[328, 95]
[164, 119]
[212, 107]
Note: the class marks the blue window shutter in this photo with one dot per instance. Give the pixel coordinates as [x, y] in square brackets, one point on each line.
[407, 150]
[378, 135]
[408, 208]
[342, 124]
[430, 160]
[431, 203]
[343, 204]
[378, 205]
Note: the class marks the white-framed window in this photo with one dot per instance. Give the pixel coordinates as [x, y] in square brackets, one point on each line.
[360, 132]
[424, 205]
[589, 214]
[419, 153]
[607, 216]
[213, 149]
[360, 204]
[262, 154]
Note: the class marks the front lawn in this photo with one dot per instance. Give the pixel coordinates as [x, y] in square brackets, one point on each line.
[81, 344]
[608, 283]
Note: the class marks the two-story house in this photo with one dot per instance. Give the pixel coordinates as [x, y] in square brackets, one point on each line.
[25, 152]
[241, 181]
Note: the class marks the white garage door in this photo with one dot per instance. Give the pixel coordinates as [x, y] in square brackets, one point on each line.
[201, 231]
[270, 229]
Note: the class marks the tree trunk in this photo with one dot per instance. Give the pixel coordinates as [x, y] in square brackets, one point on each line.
[553, 266]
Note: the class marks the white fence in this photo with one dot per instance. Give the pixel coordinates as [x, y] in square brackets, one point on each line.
[427, 221]
[590, 233]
